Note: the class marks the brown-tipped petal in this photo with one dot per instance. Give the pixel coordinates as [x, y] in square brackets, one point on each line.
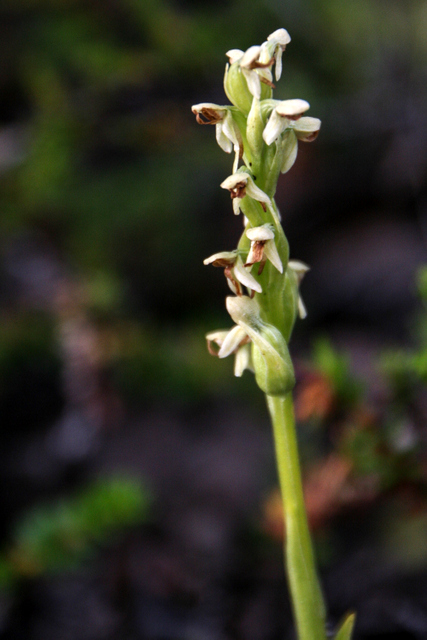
[208, 113]
[221, 259]
[216, 337]
[292, 109]
[256, 253]
[307, 129]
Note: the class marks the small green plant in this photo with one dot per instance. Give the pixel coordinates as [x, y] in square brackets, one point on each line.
[60, 536]
[264, 135]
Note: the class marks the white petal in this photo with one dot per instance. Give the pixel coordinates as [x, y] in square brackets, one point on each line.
[250, 56]
[253, 82]
[274, 127]
[281, 35]
[292, 108]
[290, 152]
[236, 178]
[234, 55]
[197, 108]
[265, 73]
[222, 255]
[217, 336]
[306, 129]
[242, 275]
[260, 234]
[222, 139]
[301, 308]
[232, 286]
[255, 192]
[298, 266]
[231, 341]
[243, 360]
[231, 130]
[250, 257]
[271, 253]
[278, 68]
[236, 206]
[265, 54]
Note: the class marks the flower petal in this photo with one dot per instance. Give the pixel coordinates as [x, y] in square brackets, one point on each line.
[250, 56]
[222, 139]
[291, 151]
[234, 55]
[292, 108]
[282, 36]
[260, 234]
[242, 275]
[274, 127]
[307, 129]
[255, 192]
[253, 82]
[226, 257]
[232, 341]
[300, 268]
[271, 253]
[243, 360]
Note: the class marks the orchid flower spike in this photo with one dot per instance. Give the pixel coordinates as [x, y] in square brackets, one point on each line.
[234, 271]
[263, 248]
[234, 341]
[300, 269]
[227, 132]
[241, 184]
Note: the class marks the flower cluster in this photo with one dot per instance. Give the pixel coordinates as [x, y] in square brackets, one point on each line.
[264, 135]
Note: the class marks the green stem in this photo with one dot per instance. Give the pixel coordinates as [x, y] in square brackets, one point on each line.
[307, 600]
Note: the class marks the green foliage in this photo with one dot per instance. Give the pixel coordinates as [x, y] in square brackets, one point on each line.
[346, 629]
[61, 536]
[335, 367]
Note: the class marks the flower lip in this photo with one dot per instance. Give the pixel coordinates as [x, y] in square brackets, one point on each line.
[222, 259]
[292, 109]
[307, 129]
[208, 113]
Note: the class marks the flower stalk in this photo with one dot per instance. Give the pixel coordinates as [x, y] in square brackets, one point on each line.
[264, 134]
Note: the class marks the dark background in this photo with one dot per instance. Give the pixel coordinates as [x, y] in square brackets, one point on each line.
[110, 201]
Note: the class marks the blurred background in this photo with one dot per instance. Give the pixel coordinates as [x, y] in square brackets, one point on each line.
[139, 492]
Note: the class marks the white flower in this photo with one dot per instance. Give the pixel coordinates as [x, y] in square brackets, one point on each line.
[281, 117]
[263, 248]
[227, 132]
[274, 47]
[234, 271]
[254, 70]
[300, 269]
[234, 341]
[241, 184]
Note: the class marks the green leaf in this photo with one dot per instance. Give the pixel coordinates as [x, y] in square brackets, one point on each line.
[346, 629]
